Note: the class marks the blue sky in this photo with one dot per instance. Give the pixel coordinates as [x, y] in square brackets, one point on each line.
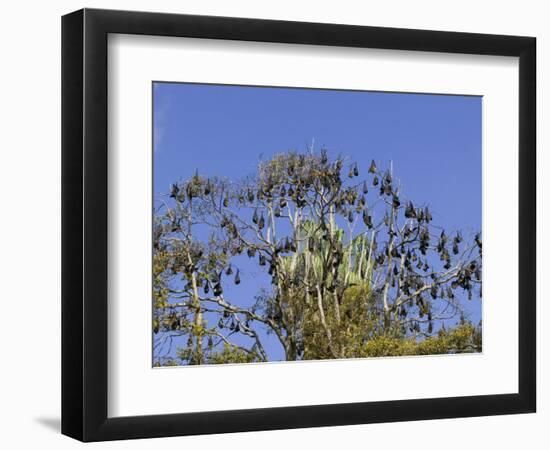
[433, 141]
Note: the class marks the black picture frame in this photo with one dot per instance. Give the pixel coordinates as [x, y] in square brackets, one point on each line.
[84, 224]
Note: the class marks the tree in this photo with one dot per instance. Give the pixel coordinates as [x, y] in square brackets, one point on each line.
[356, 269]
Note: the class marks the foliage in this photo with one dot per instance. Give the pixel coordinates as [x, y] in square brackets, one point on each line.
[356, 269]
[232, 354]
[465, 338]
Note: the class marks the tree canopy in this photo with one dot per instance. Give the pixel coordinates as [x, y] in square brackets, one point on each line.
[356, 269]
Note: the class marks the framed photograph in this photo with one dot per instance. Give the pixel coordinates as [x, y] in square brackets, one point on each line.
[273, 224]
